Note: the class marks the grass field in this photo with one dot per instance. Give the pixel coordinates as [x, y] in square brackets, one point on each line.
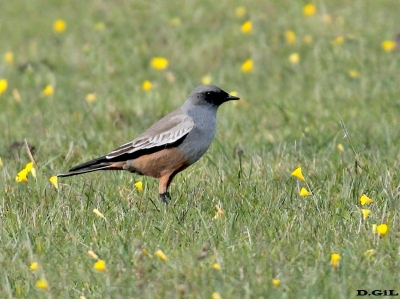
[321, 94]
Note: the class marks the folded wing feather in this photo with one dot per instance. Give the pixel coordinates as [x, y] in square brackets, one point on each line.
[156, 136]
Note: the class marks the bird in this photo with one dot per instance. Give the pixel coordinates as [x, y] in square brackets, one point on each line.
[170, 145]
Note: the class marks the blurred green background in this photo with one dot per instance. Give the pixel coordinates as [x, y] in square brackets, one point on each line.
[319, 79]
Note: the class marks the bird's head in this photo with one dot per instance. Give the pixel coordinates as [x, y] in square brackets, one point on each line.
[210, 95]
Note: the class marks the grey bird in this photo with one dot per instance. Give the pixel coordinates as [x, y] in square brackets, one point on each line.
[169, 146]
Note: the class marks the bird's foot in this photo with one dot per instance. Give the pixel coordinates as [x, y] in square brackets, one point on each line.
[164, 197]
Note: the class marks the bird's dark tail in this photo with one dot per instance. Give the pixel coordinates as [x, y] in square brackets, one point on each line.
[101, 163]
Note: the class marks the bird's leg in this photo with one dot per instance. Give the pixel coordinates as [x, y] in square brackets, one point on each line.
[164, 197]
[163, 186]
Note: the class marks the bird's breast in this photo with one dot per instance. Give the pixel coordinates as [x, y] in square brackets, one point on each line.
[200, 137]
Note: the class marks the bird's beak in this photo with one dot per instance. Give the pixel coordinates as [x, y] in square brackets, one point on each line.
[232, 98]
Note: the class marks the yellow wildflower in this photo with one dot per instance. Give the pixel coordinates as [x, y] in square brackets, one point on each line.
[294, 58]
[340, 147]
[276, 282]
[365, 213]
[240, 11]
[175, 22]
[3, 85]
[247, 66]
[54, 181]
[98, 213]
[216, 266]
[206, 79]
[34, 266]
[100, 26]
[335, 258]
[9, 57]
[219, 211]
[247, 27]
[1, 162]
[307, 39]
[365, 199]
[42, 284]
[159, 63]
[382, 229]
[242, 101]
[29, 166]
[30, 169]
[59, 26]
[338, 41]
[48, 90]
[161, 255]
[90, 97]
[100, 265]
[309, 10]
[298, 174]
[354, 74]
[92, 254]
[369, 253]
[290, 37]
[388, 45]
[22, 176]
[216, 295]
[304, 192]
[145, 252]
[146, 85]
[139, 186]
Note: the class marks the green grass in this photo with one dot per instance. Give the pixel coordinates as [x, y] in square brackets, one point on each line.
[293, 119]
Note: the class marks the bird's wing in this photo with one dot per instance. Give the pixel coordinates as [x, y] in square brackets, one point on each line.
[166, 131]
